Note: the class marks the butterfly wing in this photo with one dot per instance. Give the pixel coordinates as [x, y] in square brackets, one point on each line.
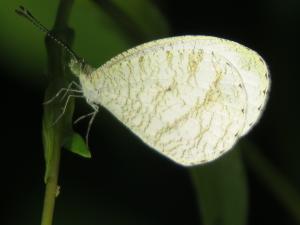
[187, 102]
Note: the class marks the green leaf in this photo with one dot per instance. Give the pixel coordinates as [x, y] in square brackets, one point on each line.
[284, 191]
[55, 126]
[221, 190]
[76, 144]
[53, 134]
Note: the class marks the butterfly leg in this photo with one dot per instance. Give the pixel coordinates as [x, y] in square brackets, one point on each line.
[70, 89]
[83, 117]
[93, 115]
[65, 107]
[66, 90]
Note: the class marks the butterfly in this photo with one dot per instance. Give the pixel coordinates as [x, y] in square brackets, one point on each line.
[190, 98]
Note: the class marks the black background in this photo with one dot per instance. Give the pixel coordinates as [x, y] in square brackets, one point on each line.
[124, 179]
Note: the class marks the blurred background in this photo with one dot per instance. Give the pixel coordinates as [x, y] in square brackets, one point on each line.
[125, 182]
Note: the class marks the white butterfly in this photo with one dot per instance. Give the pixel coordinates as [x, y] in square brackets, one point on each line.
[190, 97]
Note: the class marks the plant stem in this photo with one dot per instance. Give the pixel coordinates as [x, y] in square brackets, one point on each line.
[51, 187]
[53, 135]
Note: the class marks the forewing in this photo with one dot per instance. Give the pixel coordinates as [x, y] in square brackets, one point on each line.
[186, 102]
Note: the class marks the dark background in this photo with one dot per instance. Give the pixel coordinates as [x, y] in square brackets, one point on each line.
[125, 180]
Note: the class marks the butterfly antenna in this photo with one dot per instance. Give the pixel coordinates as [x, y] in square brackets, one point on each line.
[21, 11]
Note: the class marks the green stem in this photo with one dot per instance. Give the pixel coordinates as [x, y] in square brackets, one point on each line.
[53, 135]
[51, 187]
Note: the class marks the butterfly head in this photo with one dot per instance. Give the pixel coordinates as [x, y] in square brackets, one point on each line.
[80, 68]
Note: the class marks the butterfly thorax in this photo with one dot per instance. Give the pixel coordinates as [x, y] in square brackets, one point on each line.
[79, 67]
[86, 86]
[85, 74]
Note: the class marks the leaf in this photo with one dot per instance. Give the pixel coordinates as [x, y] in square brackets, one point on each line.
[53, 133]
[55, 126]
[76, 144]
[221, 190]
[284, 191]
